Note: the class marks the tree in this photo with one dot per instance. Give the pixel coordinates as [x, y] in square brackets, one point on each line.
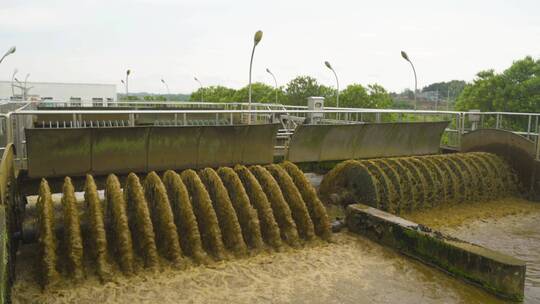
[517, 89]
[356, 96]
[300, 88]
[379, 97]
[260, 93]
[452, 88]
[214, 94]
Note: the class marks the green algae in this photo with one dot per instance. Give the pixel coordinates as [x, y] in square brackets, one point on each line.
[316, 209]
[247, 215]
[48, 274]
[162, 219]
[405, 184]
[96, 227]
[205, 214]
[140, 222]
[296, 203]
[72, 238]
[269, 226]
[280, 208]
[186, 222]
[227, 218]
[118, 232]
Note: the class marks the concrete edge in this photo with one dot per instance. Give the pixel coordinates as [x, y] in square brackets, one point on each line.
[493, 271]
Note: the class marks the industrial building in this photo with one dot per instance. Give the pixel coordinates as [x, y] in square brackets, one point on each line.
[77, 93]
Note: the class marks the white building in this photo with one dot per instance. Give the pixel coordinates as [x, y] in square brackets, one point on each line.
[77, 93]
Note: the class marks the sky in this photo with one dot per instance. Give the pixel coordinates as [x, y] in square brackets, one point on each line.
[96, 41]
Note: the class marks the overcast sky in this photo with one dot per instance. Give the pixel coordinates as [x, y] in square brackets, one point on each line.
[96, 41]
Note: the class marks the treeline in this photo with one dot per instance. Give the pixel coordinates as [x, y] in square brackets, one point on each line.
[296, 92]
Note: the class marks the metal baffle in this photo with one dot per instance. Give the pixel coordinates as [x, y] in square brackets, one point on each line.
[119, 150]
[104, 150]
[58, 152]
[173, 147]
[311, 143]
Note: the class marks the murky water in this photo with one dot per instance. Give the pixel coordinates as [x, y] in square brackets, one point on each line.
[350, 270]
[516, 235]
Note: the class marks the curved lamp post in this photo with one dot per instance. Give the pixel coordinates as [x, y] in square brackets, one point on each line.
[275, 82]
[256, 39]
[12, 84]
[202, 88]
[9, 52]
[328, 65]
[127, 81]
[406, 57]
[166, 86]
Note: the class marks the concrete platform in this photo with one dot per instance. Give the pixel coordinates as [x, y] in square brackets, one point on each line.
[495, 272]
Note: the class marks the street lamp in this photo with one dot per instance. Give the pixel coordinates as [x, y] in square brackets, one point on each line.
[127, 81]
[167, 86]
[202, 89]
[25, 87]
[12, 84]
[275, 82]
[406, 57]
[256, 39]
[9, 52]
[327, 64]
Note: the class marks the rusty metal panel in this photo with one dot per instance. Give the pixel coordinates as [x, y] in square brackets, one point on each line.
[119, 150]
[173, 147]
[339, 142]
[58, 152]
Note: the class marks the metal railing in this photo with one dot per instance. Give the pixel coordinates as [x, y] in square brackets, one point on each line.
[12, 124]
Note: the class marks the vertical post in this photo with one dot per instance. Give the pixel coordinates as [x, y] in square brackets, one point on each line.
[131, 120]
[458, 129]
[537, 154]
[497, 121]
[529, 128]
[185, 119]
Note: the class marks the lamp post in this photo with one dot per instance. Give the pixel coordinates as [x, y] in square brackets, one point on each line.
[406, 57]
[202, 88]
[127, 81]
[328, 65]
[12, 84]
[275, 82]
[166, 86]
[9, 52]
[256, 39]
[25, 87]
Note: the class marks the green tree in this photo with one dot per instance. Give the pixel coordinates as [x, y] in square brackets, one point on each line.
[445, 88]
[214, 94]
[379, 97]
[517, 89]
[260, 93]
[300, 88]
[356, 96]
